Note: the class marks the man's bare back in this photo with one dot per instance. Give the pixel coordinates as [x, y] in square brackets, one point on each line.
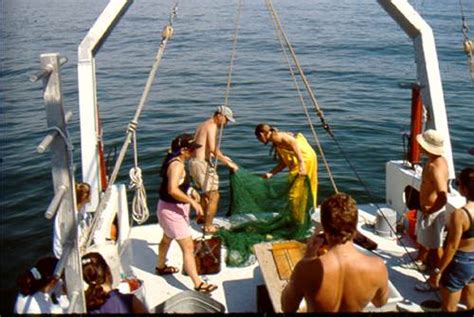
[343, 279]
[434, 182]
[203, 166]
[205, 135]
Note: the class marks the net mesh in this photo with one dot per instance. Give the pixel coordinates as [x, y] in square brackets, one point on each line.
[279, 209]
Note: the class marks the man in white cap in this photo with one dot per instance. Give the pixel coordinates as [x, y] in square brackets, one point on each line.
[433, 198]
[203, 165]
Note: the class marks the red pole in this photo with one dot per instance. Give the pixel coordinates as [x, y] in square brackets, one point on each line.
[100, 149]
[416, 124]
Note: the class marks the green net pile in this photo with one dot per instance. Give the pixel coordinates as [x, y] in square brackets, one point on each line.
[275, 215]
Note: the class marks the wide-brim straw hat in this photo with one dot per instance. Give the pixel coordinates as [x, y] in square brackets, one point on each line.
[431, 141]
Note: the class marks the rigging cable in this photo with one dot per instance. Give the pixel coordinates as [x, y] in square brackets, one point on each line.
[468, 44]
[327, 128]
[226, 98]
[320, 114]
[229, 75]
[166, 35]
[280, 38]
[234, 49]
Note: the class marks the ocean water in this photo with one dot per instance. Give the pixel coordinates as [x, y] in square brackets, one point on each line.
[353, 54]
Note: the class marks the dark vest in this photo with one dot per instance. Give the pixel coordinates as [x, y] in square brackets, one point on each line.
[163, 191]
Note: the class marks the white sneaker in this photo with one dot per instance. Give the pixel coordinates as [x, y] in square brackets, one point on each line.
[408, 306]
[415, 265]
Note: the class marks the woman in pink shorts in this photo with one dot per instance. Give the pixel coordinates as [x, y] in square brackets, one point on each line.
[173, 210]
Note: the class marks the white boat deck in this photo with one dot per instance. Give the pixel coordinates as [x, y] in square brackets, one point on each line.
[237, 287]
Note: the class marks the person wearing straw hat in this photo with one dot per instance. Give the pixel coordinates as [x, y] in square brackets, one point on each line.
[430, 227]
[202, 166]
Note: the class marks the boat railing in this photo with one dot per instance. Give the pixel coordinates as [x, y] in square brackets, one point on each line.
[107, 202]
[63, 205]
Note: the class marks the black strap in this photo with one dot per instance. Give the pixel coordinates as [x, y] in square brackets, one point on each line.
[469, 216]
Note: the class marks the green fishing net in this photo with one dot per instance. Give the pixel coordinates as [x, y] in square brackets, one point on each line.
[265, 210]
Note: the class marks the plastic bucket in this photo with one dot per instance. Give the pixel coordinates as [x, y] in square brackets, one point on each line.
[190, 302]
[385, 221]
[431, 306]
[411, 219]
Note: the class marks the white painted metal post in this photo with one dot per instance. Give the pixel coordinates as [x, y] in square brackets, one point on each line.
[89, 116]
[428, 74]
[63, 175]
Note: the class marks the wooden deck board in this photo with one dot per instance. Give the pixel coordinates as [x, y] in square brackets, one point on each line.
[275, 285]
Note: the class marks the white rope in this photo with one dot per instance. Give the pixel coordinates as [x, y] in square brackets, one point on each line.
[140, 212]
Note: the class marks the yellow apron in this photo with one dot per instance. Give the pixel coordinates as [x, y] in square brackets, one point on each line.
[298, 195]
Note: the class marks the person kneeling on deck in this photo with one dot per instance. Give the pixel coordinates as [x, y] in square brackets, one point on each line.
[101, 298]
[343, 279]
[173, 210]
[37, 290]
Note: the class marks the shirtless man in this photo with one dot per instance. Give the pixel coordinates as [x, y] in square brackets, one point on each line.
[433, 196]
[203, 165]
[343, 279]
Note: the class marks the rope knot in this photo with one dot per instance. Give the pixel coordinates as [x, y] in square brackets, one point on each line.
[136, 180]
[132, 126]
[140, 211]
[167, 32]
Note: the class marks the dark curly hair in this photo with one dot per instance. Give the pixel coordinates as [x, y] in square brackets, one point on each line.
[264, 127]
[466, 178]
[339, 215]
[95, 272]
[33, 280]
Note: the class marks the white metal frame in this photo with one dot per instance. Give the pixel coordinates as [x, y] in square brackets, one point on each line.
[88, 111]
[428, 75]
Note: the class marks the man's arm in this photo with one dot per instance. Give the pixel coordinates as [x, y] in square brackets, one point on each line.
[293, 292]
[174, 173]
[278, 168]
[212, 144]
[440, 180]
[452, 244]
[381, 296]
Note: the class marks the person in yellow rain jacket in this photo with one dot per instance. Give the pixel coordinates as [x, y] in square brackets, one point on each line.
[296, 153]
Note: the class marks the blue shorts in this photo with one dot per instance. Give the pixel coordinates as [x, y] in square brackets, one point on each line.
[459, 272]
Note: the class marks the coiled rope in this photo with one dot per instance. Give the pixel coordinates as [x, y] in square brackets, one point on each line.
[140, 212]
